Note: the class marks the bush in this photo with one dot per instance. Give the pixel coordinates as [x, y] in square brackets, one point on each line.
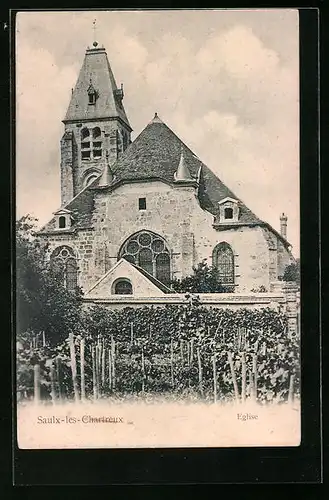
[205, 279]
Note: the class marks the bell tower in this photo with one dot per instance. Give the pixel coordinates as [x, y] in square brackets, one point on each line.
[97, 129]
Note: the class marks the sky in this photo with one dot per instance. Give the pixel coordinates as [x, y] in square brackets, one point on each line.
[225, 81]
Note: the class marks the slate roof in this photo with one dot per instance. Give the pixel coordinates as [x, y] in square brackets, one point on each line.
[97, 71]
[155, 154]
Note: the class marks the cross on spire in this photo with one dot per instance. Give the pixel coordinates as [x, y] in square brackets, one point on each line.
[94, 29]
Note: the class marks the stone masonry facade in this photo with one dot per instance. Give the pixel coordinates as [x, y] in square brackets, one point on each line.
[174, 213]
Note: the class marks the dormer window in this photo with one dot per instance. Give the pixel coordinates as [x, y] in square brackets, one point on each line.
[62, 222]
[92, 94]
[92, 98]
[63, 219]
[228, 211]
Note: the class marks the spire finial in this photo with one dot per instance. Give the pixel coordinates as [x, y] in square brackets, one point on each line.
[94, 28]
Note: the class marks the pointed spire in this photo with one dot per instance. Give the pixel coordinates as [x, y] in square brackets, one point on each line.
[182, 173]
[96, 76]
[156, 119]
[107, 175]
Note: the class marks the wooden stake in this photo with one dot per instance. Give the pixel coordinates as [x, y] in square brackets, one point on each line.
[143, 371]
[113, 362]
[235, 385]
[43, 339]
[254, 369]
[52, 384]
[251, 386]
[191, 357]
[291, 389]
[200, 371]
[110, 369]
[188, 352]
[131, 333]
[93, 356]
[36, 370]
[73, 367]
[82, 368]
[172, 362]
[243, 377]
[214, 377]
[103, 364]
[97, 368]
[58, 373]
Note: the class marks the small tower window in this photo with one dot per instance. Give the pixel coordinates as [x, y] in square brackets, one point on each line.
[85, 144]
[142, 203]
[92, 98]
[62, 222]
[228, 213]
[97, 143]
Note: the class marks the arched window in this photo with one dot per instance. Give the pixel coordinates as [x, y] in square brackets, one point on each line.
[149, 251]
[122, 287]
[64, 267]
[62, 222]
[223, 260]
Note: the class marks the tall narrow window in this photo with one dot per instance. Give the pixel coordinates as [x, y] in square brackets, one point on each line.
[97, 143]
[142, 203]
[64, 267]
[163, 268]
[145, 260]
[85, 144]
[149, 251]
[223, 260]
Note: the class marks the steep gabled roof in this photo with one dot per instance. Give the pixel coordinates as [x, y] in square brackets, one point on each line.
[96, 72]
[155, 154]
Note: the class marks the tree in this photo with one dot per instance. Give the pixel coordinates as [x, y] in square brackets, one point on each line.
[292, 272]
[42, 303]
[205, 279]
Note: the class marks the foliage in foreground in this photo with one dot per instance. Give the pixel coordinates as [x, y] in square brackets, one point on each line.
[161, 350]
[42, 303]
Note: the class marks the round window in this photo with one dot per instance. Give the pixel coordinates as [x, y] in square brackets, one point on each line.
[132, 247]
[144, 239]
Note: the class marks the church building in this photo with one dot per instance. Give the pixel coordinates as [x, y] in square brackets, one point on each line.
[136, 214]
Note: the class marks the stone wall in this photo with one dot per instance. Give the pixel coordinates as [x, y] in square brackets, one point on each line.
[174, 213]
[283, 297]
[74, 170]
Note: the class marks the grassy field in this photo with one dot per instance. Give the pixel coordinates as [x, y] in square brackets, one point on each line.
[156, 422]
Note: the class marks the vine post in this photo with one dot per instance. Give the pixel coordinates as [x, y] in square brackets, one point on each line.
[254, 370]
[291, 389]
[243, 377]
[53, 383]
[93, 356]
[73, 367]
[200, 371]
[113, 361]
[58, 373]
[235, 384]
[172, 362]
[36, 370]
[82, 368]
[214, 376]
